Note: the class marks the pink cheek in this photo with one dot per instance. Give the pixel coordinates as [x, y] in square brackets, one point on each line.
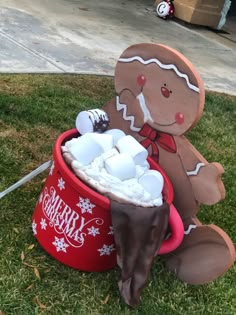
[141, 80]
[179, 118]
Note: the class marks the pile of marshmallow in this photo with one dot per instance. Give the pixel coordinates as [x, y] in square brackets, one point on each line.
[115, 163]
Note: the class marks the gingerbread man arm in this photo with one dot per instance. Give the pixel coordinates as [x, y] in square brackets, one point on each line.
[205, 177]
[120, 111]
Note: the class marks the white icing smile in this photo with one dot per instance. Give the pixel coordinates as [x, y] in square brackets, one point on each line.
[146, 114]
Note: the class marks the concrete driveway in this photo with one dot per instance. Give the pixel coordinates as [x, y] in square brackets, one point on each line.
[73, 36]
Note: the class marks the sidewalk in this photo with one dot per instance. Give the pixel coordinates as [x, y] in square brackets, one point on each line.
[69, 36]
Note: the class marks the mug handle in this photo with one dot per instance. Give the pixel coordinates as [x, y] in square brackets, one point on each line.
[177, 232]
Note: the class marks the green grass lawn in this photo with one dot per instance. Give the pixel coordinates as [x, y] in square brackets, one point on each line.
[34, 110]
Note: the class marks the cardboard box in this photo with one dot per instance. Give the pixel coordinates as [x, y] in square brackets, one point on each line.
[201, 12]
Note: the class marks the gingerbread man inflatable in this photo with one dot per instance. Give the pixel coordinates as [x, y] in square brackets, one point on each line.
[160, 96]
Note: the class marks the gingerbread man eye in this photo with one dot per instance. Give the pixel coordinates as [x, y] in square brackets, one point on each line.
[170, 92]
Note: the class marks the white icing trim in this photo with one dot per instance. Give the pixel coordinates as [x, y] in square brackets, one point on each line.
[162, 65]
[123, 107]
[196, 170]
[190, 228]
[143, 106]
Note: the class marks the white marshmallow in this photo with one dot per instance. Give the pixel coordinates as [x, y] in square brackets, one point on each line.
[71, 142]
[145, 165]
[121, 166]
[117, 134]
[139, 171]
[109, 153]
[131, 146]
[86, 149]
[105, 140]
[153, 182]
[94, 120]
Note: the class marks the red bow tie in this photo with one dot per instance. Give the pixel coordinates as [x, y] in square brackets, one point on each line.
[154, 137]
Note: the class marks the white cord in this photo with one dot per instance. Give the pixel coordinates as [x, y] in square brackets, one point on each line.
[27, 178]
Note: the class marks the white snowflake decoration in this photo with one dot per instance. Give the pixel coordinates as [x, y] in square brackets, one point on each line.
[85, 205]
[93, 231]
[106, 250]
[43, 224]
[34, 226]
[111, 230]
[52, 168]
[61, 183]
[60, 244]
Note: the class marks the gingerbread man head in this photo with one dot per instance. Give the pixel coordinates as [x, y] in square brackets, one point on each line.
[168, 90]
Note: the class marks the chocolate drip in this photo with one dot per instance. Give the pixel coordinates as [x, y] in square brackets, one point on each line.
[100, 121]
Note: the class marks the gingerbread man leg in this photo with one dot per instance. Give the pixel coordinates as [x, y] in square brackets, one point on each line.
[205, 253]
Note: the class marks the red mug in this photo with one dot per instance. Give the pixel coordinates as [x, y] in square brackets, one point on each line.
[72, 222]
